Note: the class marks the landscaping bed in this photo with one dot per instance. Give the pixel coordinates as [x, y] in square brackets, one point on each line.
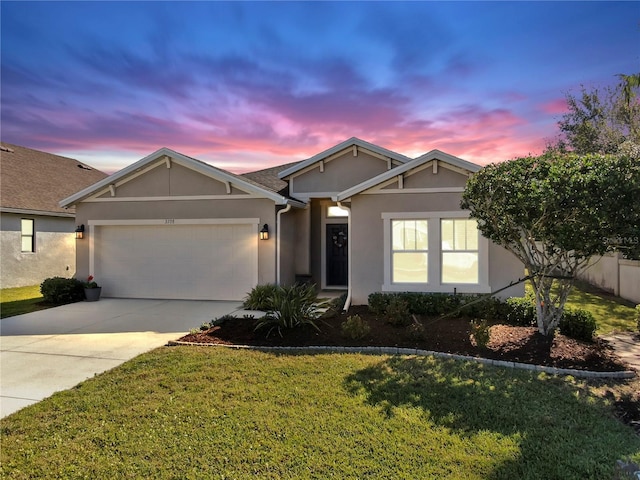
[451, 335]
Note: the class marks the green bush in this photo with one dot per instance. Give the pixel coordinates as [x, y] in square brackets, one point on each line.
[59, 290]
[398, 312]
[521, 311]
[378, 302]
[480, 330]
[291, 307]
[485, 307]
[638, 317]
[259, 297]
[577, 323]
[355, 327]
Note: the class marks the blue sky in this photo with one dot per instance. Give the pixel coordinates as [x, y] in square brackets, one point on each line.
[247, 85]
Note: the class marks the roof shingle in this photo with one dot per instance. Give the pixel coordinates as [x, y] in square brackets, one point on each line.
[35, 180]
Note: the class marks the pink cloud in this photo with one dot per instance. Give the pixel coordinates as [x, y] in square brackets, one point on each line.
[555, 107]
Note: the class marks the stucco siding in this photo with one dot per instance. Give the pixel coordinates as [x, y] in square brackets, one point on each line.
[54, 255]
[288, 244]
[425, 178]
[339, 174]
[262, 209]
[174, 181]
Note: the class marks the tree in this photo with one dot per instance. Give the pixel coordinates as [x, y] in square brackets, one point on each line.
[600, 120]
[553, 212]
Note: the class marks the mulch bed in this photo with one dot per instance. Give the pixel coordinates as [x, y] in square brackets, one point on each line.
[452, 335]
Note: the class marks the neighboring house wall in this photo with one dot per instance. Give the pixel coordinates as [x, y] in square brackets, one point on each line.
[54, 250]
[614, 274]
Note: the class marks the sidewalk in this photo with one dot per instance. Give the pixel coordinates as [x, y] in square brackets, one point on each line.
[627, 347]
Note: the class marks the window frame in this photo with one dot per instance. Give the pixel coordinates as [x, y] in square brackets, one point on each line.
[434, 262]
[24, 236]
[409, 250]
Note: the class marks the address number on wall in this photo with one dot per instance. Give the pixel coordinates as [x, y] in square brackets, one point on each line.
[169, 221]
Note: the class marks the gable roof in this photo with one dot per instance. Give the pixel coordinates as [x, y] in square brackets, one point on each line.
[33, 182]
[244, 183]
[441, 156]
[338, 148]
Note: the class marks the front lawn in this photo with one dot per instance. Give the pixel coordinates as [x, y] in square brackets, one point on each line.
[19, 300]
[197, 412]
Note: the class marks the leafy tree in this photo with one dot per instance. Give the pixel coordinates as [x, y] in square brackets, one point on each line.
[600, 120]
[555, 211]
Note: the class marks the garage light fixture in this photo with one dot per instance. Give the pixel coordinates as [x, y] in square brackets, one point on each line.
[264, 233]
[80, 232]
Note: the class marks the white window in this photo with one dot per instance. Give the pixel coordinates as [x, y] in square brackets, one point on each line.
[27, 236]
[434, 252]
[410, 251]
[335, 211]
[459, 250]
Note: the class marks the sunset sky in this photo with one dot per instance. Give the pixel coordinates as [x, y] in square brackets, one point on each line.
[246, 85]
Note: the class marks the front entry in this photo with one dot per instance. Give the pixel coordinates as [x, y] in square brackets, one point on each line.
[336, 256]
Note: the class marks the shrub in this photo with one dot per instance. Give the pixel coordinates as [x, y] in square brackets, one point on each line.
[578, 323]
[416, 330]
[291, 307]
[337, 304]
[480, 330]
[485, 307]
[59, 290]
[378, 302]
[521, 311]
[355, 327]
[398, 312]
[259, 297]
[638, 317]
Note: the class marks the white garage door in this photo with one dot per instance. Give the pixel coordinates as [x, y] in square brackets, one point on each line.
[199, 262]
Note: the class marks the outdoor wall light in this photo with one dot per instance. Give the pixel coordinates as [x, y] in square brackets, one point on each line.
[80, 232]
[264, 233]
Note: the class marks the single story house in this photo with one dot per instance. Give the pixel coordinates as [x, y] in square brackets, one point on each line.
[356, 217]
[37, 238]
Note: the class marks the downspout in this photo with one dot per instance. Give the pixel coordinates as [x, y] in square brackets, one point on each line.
[347, 302]
[278, 222]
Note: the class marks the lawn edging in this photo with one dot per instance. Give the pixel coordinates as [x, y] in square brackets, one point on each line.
[623, 374]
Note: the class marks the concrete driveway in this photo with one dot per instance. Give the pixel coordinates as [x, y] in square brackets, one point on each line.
[51, 350]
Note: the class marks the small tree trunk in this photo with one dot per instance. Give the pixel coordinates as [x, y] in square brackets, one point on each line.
[549, 307]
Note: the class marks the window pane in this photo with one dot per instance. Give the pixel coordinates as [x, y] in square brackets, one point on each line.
[27, 244]
[336, 211]
[460, 233]
[459, 267]
[447, 234]
[409, 267]
[410, 235]
[27, 226]
[422, 239]
[398, 235]
[472, 235]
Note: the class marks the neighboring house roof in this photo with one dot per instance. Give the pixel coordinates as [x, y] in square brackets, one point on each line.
[244, 183]
[338, 148]
[438, 155]
[269, 176]
[33, 182]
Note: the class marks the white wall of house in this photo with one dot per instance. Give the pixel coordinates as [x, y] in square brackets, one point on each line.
[614, 274]
[55, 250]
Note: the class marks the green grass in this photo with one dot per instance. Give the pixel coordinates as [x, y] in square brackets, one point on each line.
[190, 412]
[611, 313]
[16, 301]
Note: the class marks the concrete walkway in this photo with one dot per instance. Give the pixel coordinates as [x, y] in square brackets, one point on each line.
[51, 350]
[627, 347]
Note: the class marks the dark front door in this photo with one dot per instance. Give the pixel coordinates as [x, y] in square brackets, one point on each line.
[337, 265]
